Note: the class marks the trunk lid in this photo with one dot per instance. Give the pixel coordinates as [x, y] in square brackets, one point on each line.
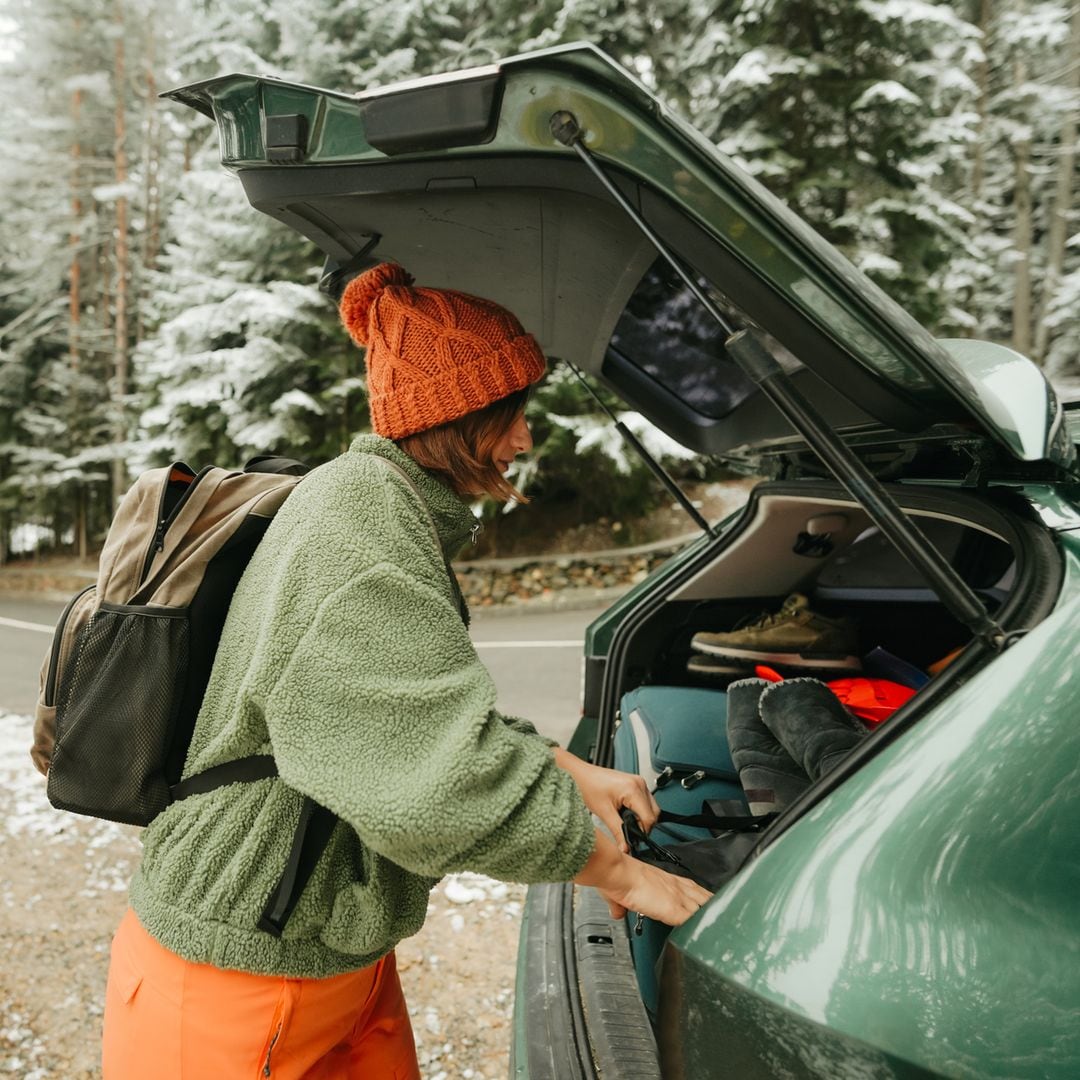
[459, 178]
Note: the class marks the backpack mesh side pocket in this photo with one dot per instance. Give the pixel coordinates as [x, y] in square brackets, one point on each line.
[115, 715]
[61, 650]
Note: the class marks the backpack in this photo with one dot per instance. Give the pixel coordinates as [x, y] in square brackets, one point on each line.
[123, 680]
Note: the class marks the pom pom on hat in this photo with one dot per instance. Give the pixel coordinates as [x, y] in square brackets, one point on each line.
[361, 293]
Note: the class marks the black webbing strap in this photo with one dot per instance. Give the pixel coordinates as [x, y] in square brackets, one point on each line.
[309, 842]
[709, 819]
[257, 767]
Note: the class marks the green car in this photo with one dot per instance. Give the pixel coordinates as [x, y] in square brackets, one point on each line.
[916, 913]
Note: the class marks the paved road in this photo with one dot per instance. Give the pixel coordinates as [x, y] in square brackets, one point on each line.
[535, 659]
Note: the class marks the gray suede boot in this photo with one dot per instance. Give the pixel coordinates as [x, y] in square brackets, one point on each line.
[770, 776]
[810, 723]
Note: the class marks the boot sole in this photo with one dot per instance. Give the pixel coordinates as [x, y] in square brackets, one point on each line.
[789, 659]
[702, 667]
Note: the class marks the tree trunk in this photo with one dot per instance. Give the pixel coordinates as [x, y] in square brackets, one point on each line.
[982, 77]
[1058, 232]
[78, 518]
[151, 236]
[120, 327]
[74, 233]
[1022, 239]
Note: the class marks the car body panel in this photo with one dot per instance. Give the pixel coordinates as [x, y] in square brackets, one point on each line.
[1014, 393]
[1052, 506]
[900, 913]
[865, 347]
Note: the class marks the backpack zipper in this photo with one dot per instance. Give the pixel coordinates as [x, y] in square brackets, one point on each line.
[58, 637]
[163, 522]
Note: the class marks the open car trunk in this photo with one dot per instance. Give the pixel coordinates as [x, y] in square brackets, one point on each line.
[594, 981]
[814, 538]
[1009, 560]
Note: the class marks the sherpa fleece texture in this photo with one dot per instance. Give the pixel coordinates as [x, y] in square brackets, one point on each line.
[345, 655]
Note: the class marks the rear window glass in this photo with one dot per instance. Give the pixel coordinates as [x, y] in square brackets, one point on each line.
[666, 333]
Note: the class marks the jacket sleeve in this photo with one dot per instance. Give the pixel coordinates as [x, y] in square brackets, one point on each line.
[384, 714]
[526, 727]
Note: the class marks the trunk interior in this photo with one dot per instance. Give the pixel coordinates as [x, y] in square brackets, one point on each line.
[813, 538]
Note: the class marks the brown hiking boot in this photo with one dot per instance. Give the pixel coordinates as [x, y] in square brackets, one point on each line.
[794, 636]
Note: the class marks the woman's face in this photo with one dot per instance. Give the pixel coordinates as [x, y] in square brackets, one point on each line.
[515, 440]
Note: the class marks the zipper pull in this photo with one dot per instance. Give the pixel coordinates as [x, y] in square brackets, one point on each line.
[689, 781]
[474, 533]
[639, 926]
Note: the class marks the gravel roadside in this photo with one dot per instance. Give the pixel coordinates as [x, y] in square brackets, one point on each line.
[63, 890]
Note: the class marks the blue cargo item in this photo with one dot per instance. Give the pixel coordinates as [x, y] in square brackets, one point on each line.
[676, 738]
[881, 664]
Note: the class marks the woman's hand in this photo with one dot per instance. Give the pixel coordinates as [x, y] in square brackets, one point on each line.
[629, 885]
[607, 791]
[655, 893]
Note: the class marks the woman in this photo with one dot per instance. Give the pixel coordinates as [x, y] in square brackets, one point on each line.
[346, 655]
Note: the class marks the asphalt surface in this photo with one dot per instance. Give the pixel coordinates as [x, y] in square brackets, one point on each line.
[535, 659]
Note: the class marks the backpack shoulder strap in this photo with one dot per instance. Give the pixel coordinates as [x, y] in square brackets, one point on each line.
[312, 834]
[256, 767]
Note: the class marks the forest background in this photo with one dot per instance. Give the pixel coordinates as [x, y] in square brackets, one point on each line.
[147, 313]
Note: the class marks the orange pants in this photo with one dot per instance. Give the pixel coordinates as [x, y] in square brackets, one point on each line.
[171, 1019]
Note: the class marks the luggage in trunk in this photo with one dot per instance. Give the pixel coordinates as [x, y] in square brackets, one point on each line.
[675, 737]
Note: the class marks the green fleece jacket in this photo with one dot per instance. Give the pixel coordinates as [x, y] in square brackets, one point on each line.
[345, 655]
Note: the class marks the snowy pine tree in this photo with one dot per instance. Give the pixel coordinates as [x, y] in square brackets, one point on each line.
[247, 357]
[59, 235]
[851, 112]
[933, 141]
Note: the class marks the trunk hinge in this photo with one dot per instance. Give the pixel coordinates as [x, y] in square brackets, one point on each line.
[751, 353]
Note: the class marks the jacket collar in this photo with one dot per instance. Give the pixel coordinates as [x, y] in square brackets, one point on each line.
[454, 521]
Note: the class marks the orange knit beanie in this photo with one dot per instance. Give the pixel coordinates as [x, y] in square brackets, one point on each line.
[433, 355]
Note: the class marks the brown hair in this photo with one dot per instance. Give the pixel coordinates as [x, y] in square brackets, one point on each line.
[460, 452]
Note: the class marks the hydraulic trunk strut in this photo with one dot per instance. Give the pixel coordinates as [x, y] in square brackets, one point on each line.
[658, 470]
[751, 353]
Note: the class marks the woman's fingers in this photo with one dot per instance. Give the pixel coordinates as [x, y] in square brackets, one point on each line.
[614, 907]
[690, 895]
[638, 798]
[650, 810]
[659, 895]
[613, 822]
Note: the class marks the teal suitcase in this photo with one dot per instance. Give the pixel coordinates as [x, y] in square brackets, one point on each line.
[675, 737]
